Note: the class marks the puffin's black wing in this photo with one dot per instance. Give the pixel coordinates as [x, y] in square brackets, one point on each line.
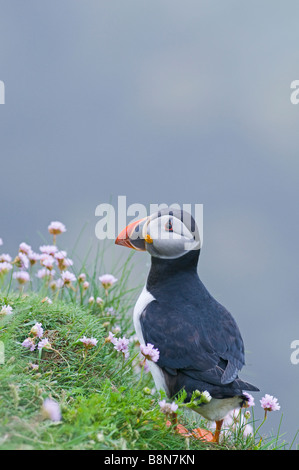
[195, 335]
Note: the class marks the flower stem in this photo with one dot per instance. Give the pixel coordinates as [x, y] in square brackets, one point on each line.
[141, 374]
[84, 359]
[265, 417]
[55, 350]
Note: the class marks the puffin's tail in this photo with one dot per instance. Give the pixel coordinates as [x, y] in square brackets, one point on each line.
[246, 385]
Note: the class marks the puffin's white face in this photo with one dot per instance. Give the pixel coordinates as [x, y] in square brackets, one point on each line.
[168, 237]
[166, 234]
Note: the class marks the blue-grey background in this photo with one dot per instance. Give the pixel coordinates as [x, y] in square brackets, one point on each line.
[165, 101]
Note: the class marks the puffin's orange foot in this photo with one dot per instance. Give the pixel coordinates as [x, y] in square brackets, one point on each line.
[180, 429]
[198, 433]
[203, 434]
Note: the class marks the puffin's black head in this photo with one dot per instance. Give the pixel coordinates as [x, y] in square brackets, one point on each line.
[167, 234]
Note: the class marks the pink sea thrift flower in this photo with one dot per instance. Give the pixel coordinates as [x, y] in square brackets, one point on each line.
[56, 228]
[250, 401]
[33, 257]
[44, 272]
[269, 403]
[149, 352]
[63, 261]
[88, 342]
[51, 410]
[107, 280]
[82, 277]
[168, 408]
[29, 343]
[22, 261]
[48, 249]
[122, 345]
[24, 248]
[47, 261]
[67, 278]
[67, 262]
[44, 344]
[37, 330]
[6, 310]
[5, 258]
[5, 267]
[55, 285]
[22, 277]
[60, 255]
[111, 338]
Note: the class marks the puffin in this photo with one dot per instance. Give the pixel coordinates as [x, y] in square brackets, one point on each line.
[200, 344]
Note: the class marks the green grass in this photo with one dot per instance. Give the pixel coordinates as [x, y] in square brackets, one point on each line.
[107, 402]
[103, 402]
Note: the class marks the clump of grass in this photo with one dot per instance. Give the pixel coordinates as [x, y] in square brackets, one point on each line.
[106, 398]
[102, 407]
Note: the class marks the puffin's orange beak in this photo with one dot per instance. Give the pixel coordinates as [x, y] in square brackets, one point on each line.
[131, 236]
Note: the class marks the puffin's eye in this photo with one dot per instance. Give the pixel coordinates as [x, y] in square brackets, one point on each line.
[168, 226]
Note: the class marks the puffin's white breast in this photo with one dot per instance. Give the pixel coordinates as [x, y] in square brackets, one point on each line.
[143, 301]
